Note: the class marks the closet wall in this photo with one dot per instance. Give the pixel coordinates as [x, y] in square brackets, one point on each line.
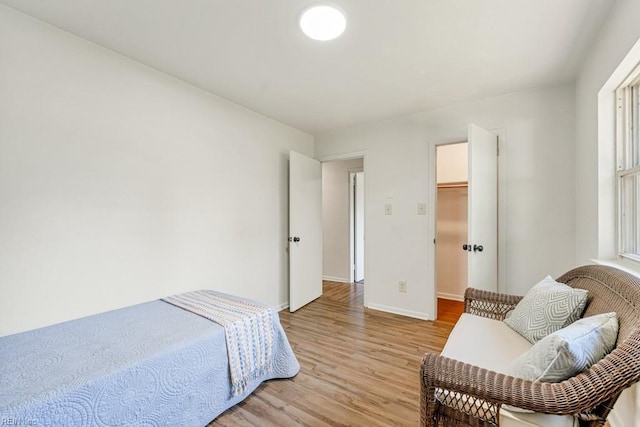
[451, 221]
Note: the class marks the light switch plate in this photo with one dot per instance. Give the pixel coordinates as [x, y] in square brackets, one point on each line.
[402, 286]
[388, 210]
[422, 208]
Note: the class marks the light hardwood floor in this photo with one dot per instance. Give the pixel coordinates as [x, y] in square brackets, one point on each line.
[449, 310]
[359, 367]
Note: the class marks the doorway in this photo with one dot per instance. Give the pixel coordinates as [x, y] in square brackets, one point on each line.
[451, 220]
[342, 219]
[486, 201]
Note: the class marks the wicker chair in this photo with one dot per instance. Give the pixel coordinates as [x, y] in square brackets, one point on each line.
[454, 393]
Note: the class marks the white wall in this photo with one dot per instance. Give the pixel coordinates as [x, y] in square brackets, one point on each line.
[594, 215]
[452, 163]
[335, 218]
[120, 184]
[540, 131]
[594, 163]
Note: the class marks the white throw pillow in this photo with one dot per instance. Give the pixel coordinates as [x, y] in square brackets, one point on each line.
[569, 351]
[548, 307]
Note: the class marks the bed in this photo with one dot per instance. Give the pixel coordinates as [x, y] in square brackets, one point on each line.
[152, 364]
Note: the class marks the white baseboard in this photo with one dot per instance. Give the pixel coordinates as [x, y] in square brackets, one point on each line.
[282, 306]
[453, 297]
[395, 310]
[336, 279]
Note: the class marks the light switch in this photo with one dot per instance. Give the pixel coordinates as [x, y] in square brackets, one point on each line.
[387, 209]
[422, 208]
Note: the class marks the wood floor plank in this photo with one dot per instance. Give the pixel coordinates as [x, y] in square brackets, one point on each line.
[449, 310]
[358, 366]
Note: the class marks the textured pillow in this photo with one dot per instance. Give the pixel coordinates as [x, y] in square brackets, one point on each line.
[547, 307]
[568, 351]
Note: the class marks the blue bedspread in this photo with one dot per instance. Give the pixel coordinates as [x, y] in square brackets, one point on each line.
[152, 364]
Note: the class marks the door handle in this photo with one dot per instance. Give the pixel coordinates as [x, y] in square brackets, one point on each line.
[476, 248]
[294, 239]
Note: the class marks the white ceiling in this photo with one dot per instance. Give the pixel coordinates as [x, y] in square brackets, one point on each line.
[396, 56]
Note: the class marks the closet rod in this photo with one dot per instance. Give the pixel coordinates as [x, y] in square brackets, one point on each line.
[453, 185]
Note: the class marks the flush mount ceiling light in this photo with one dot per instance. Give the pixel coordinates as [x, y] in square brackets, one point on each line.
[322, 22]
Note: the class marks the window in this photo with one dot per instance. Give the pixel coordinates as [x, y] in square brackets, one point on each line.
[628, 165]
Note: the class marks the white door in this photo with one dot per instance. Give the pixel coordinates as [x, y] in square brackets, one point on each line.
[482, 240]
[359, 226]
[305, 230]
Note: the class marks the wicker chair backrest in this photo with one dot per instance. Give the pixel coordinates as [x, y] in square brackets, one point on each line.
[610, 290]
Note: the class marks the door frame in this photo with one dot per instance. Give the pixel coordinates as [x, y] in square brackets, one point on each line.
[347, 156]
[432, 191]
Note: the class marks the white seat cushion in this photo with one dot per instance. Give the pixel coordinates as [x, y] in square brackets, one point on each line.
[483, 342]
[492, 344]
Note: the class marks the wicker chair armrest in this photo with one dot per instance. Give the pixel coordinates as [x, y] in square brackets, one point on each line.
[489, 304]
[577, 395]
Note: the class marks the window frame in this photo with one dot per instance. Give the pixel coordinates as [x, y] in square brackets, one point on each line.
[627, 135]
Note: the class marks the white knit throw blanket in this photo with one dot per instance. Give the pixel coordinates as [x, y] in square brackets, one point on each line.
[248, 330]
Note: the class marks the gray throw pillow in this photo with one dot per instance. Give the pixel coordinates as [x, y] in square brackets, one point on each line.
[569, 351]
[548, 307]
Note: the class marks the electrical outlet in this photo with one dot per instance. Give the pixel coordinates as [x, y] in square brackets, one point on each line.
[402, 286]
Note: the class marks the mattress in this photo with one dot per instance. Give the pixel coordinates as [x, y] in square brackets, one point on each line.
[151, 364]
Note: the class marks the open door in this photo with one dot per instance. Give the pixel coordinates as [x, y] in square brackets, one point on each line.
[305, 230]
[482, 243]
[358, 214]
